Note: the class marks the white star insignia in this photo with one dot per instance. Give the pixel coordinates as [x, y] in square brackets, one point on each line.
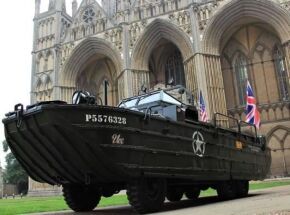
[198, 144]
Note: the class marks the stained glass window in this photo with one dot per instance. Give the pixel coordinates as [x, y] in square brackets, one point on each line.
[174, 70]
[281, 74]
[241, 72]
[89, 15]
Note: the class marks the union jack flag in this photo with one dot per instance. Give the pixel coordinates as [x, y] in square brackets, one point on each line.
[202, 110]
[253, 115]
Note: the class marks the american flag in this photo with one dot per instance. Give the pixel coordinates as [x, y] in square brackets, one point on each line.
[253, 115]
[202, 110]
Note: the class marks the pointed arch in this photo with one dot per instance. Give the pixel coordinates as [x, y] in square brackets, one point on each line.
[273, 130]
[157, 30]
[82, 54]
[242, 12]
[278, 141]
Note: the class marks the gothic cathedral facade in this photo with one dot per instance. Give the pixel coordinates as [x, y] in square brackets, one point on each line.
[213, 46]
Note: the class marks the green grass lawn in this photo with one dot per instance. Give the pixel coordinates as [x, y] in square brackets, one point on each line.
[45, 204]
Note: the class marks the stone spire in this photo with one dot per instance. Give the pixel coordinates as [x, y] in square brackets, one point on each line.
[74, 7]
[60, 5]
[37, 7]
[51, 5]
[110, 6]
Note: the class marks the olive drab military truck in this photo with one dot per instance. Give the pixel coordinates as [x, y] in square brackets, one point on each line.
[152, 145]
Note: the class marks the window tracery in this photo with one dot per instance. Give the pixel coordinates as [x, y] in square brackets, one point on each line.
[242, 75]
[89, 15]
[174, 71]
[281, 73]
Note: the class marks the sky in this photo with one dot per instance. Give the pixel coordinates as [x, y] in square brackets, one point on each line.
[16, 21]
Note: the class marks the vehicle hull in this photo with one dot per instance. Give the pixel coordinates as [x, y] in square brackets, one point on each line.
[72, 144]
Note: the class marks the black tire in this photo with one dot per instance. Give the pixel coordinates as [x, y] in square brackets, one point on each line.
[174, 194]
[192, 193]
[107, 192]
[242, 188]
[146, 195]
[81, 198]
[227, 190]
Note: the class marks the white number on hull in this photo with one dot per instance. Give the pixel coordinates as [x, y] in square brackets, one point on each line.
[106, 119]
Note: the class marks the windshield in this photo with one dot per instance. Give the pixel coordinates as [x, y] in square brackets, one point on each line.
[151, 99]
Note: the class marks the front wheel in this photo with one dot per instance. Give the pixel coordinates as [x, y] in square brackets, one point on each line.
[146, 195]
[81, 198]
[174, 194]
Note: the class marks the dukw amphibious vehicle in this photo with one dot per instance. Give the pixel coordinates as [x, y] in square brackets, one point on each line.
[152, 145]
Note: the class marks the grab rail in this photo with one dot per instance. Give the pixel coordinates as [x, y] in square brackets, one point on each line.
[148, 113]
[238, 122]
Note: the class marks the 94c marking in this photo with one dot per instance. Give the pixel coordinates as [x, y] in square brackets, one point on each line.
[106, 119]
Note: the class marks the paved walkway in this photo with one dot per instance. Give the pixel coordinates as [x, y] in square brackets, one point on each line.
[272, 201]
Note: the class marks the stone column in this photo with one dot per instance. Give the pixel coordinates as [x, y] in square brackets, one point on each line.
[198, 61]
[139, 78]
[190, 76]
[65, 93]
[208, 73]
[37, 7]
[74, 7]
[124, 79]
[215, 85]
[124, 85]
[130, 82]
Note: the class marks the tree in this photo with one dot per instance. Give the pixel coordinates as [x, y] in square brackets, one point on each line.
[14, 173]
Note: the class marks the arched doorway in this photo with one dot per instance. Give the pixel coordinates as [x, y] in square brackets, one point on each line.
[254, 53]
[166, 65]
[229, 19]
[279, 142]
[250, 38]
[97, 77]
[159, 55]
[93, 66]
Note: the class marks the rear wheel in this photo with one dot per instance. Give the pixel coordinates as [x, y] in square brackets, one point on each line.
[146, 195]
[81, 198]
[174, 194]
[242, 188]
[109, 192]
[227, 190]
[192, 193]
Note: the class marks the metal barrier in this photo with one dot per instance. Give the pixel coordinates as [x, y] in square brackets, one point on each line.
[238, 122]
